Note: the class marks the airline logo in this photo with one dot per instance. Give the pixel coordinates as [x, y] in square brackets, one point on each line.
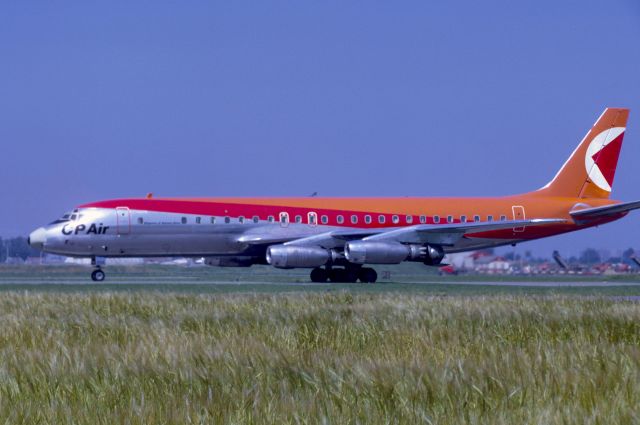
[602, 156]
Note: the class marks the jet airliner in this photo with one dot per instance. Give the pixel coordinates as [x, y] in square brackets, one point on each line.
[337, 238]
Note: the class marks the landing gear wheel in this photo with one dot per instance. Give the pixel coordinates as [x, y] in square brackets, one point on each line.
[367, 275]
[337, 275]
[319, 275]
[351, 275]
[343, 275]
[98, 275]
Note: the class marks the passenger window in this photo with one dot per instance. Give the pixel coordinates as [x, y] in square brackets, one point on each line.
[241, 219]
[340, 219]
[198, 220]
[227, 219]
[256, 219]
[271, 219]
[409, 219]
[298, 219]
[395, 219]
[436, 219]
[184, 220]
[367, 219]
[140, 220]
[354, 219]
[381, 219]
[213, 220]
[324, 219]
[423, 219]
[476, 218]
[463, 219]
[449, 219]
[503, 218]
[312, 218]
[489, 218]
[284, 219]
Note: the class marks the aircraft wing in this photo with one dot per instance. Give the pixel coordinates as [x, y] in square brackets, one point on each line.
[607, 210]
[336, 238]
[327, 240]
[449, 234]
[440, 234]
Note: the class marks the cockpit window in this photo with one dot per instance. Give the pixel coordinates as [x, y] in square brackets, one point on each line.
[66, 217]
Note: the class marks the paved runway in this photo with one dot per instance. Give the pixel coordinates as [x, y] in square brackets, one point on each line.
[549, 284]
[188, 280]
[206, 280]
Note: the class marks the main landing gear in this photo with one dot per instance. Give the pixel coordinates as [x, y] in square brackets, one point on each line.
[345, 275]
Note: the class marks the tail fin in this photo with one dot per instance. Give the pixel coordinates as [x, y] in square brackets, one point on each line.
[589, 171]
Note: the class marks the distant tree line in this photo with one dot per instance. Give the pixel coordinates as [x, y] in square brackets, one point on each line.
[587, 256]
[16, 247]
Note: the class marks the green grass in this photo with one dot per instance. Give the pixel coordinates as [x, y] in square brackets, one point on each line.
[312, 357]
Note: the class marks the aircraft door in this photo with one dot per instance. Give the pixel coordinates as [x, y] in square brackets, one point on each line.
[284, 219]
[312, 219]
[518, 214]
[123, 220]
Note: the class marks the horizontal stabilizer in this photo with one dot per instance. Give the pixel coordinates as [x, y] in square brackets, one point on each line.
[607, 210]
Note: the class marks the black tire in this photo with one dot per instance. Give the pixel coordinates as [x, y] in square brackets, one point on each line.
[337, 275]
[367, 275]
[319, 275]
[351, 275]
[98, 276]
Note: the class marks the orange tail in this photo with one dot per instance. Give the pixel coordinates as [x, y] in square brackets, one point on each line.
[589, 171]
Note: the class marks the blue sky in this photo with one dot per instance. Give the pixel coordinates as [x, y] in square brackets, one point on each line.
[116, 99]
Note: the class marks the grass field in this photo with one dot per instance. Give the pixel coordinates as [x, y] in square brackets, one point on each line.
[144, 357]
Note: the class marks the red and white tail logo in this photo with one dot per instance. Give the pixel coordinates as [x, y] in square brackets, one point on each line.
[589, 171]
[602, 156]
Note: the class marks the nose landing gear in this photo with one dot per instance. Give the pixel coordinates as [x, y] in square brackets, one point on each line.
[98, 275]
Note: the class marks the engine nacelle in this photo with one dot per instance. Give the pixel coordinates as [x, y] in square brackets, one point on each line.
[286, 257]
[361, 252]
[433, 255]
[373, 252]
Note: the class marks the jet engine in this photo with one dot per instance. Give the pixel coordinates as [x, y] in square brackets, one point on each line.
[373, 252]
[433, 255]
[361, 252]
[285, 257]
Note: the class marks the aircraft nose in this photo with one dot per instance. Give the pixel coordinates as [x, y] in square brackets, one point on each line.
[37, 238]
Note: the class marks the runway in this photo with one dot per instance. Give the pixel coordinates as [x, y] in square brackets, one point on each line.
[206, 280]
[548, 284]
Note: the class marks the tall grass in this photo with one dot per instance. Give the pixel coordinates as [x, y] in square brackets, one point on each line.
[336, 358]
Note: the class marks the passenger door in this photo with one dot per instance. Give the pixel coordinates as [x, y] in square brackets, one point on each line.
[518, 214]
[123, 220]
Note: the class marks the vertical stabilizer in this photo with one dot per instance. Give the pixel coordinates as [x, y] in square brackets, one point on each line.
[591, 168]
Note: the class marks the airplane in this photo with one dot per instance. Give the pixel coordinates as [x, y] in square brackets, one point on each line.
[337, 238]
